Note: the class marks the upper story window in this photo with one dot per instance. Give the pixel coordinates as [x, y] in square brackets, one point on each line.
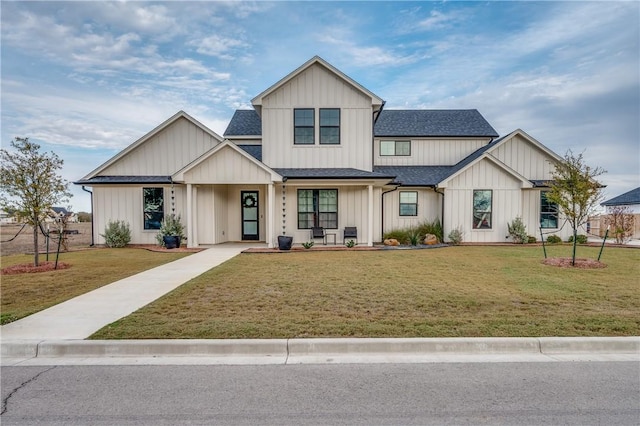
[330, 126]
[408, 203]
[304, 126]
[482, 206]
[153, 207]
[548, 212]
[395, 148]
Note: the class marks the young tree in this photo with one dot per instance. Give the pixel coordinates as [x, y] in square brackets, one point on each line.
[621, 222]
[576, 191]
[30, 184]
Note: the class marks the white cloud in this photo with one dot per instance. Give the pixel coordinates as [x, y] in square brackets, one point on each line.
[218, 46]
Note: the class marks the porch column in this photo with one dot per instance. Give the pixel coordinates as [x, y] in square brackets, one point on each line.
[370, 222]
[189, 216]
[271, 196]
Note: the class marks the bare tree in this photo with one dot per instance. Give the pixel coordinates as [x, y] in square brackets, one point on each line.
[576, 191]
[621, 222]
[30, 184]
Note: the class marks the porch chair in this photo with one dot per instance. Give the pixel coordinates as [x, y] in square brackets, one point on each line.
[350, 233]
[318, 232]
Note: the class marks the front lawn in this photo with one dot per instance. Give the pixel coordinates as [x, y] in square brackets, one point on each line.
[446, 292]
[25, 294]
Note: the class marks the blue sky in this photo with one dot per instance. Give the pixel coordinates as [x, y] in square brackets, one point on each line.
[86, 79]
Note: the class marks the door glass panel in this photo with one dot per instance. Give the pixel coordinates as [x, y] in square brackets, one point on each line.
[250, 228]
[250, 213]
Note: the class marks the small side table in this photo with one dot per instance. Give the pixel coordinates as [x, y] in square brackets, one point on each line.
[330, 234]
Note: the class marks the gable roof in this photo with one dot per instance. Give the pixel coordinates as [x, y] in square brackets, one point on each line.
[177, 116]
[630, 197]
[245, 122]
[253, 150]
[257, 101]
[427, 122]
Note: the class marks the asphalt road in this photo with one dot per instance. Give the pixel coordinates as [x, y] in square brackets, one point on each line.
[578, 393]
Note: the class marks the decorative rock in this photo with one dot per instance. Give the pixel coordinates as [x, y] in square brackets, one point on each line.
[391, 242]
[430, 239]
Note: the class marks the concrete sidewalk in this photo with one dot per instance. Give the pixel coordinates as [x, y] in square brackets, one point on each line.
[81, 316]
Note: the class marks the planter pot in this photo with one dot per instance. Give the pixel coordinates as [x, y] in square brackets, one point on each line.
[284, 242]
[171, 241]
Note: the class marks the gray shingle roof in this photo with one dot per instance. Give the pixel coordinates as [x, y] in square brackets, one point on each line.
[245, 122]
[336, 173]
[124, 179]
[468, 122]
[631, 197]
[415, 175]
[253, 150]
[405, 123]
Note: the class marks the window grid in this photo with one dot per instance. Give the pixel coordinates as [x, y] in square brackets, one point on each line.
[395, 148]
[408, 203]
[317, 207]
[330, 126]
[548, 212]
[304, 126]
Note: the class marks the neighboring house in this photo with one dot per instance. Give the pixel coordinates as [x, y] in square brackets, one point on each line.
[318, 149]
[630, 200]
[56, 214]
[7, 218]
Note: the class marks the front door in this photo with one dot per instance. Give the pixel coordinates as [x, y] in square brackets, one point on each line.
[250, 229]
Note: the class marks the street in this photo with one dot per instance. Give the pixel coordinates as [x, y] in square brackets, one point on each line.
[579, 393]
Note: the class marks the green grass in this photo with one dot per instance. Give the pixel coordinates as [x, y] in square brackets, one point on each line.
[454, 291]
[25, 294]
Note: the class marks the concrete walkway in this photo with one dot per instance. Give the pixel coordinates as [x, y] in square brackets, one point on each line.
[81, 316]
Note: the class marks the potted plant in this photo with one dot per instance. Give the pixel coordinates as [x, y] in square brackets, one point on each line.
[284, 242]
[171, 232]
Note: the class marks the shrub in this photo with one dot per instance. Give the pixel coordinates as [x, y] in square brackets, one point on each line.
[554, 239]
[434, 228]
[414, 236]
[170, 227]
[117, 234]
[580, 239]
[455, 236]
[531, 239]
[350, 244]
[308, 244]
[518, 231]
[402, 235]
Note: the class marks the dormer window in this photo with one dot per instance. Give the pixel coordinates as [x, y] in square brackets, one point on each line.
[304, 126]
[330, 126]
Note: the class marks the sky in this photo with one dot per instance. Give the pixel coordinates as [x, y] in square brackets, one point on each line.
[87, 79]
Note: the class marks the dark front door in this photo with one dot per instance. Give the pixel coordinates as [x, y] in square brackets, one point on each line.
[250, 229]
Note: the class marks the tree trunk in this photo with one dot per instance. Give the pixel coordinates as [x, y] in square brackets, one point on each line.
[575, 242]
[36, 251]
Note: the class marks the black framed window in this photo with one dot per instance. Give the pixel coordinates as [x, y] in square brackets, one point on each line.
[153, 207]
[330, 126]
[304, 126]
[482, 208]
[408, 203]
[548, 212]
[317, 207]
[395, 148]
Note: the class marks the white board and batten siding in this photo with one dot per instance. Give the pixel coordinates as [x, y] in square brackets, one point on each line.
[227, 166]
[353, 210]
[124, 202]
[429, 209]
[506, 202]
[317, 87]
[525, 158]
[429, 152]
[531, 217]
[166, 152]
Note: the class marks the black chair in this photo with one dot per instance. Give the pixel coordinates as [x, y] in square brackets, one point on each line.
[350, 233]
[318, 232]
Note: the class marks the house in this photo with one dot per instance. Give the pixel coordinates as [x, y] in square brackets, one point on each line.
[57, 214]
[5, 217]
[631, 201]
[319, 149]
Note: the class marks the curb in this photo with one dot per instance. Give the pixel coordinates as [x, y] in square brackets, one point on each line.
[321, 350]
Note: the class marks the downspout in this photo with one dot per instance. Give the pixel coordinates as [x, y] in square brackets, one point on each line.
[90, 192]
[435, 188]
[382, 208]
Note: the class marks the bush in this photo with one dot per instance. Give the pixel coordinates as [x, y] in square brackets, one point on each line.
[531, 239]
[434, 228]
[414, 236]
[117, 234]
[170, 227]
[554, 239]
[581, 239]
[518, 231]
[455, 236]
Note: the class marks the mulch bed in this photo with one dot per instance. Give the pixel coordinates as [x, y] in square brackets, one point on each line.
[28, 268]
[565, 262]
